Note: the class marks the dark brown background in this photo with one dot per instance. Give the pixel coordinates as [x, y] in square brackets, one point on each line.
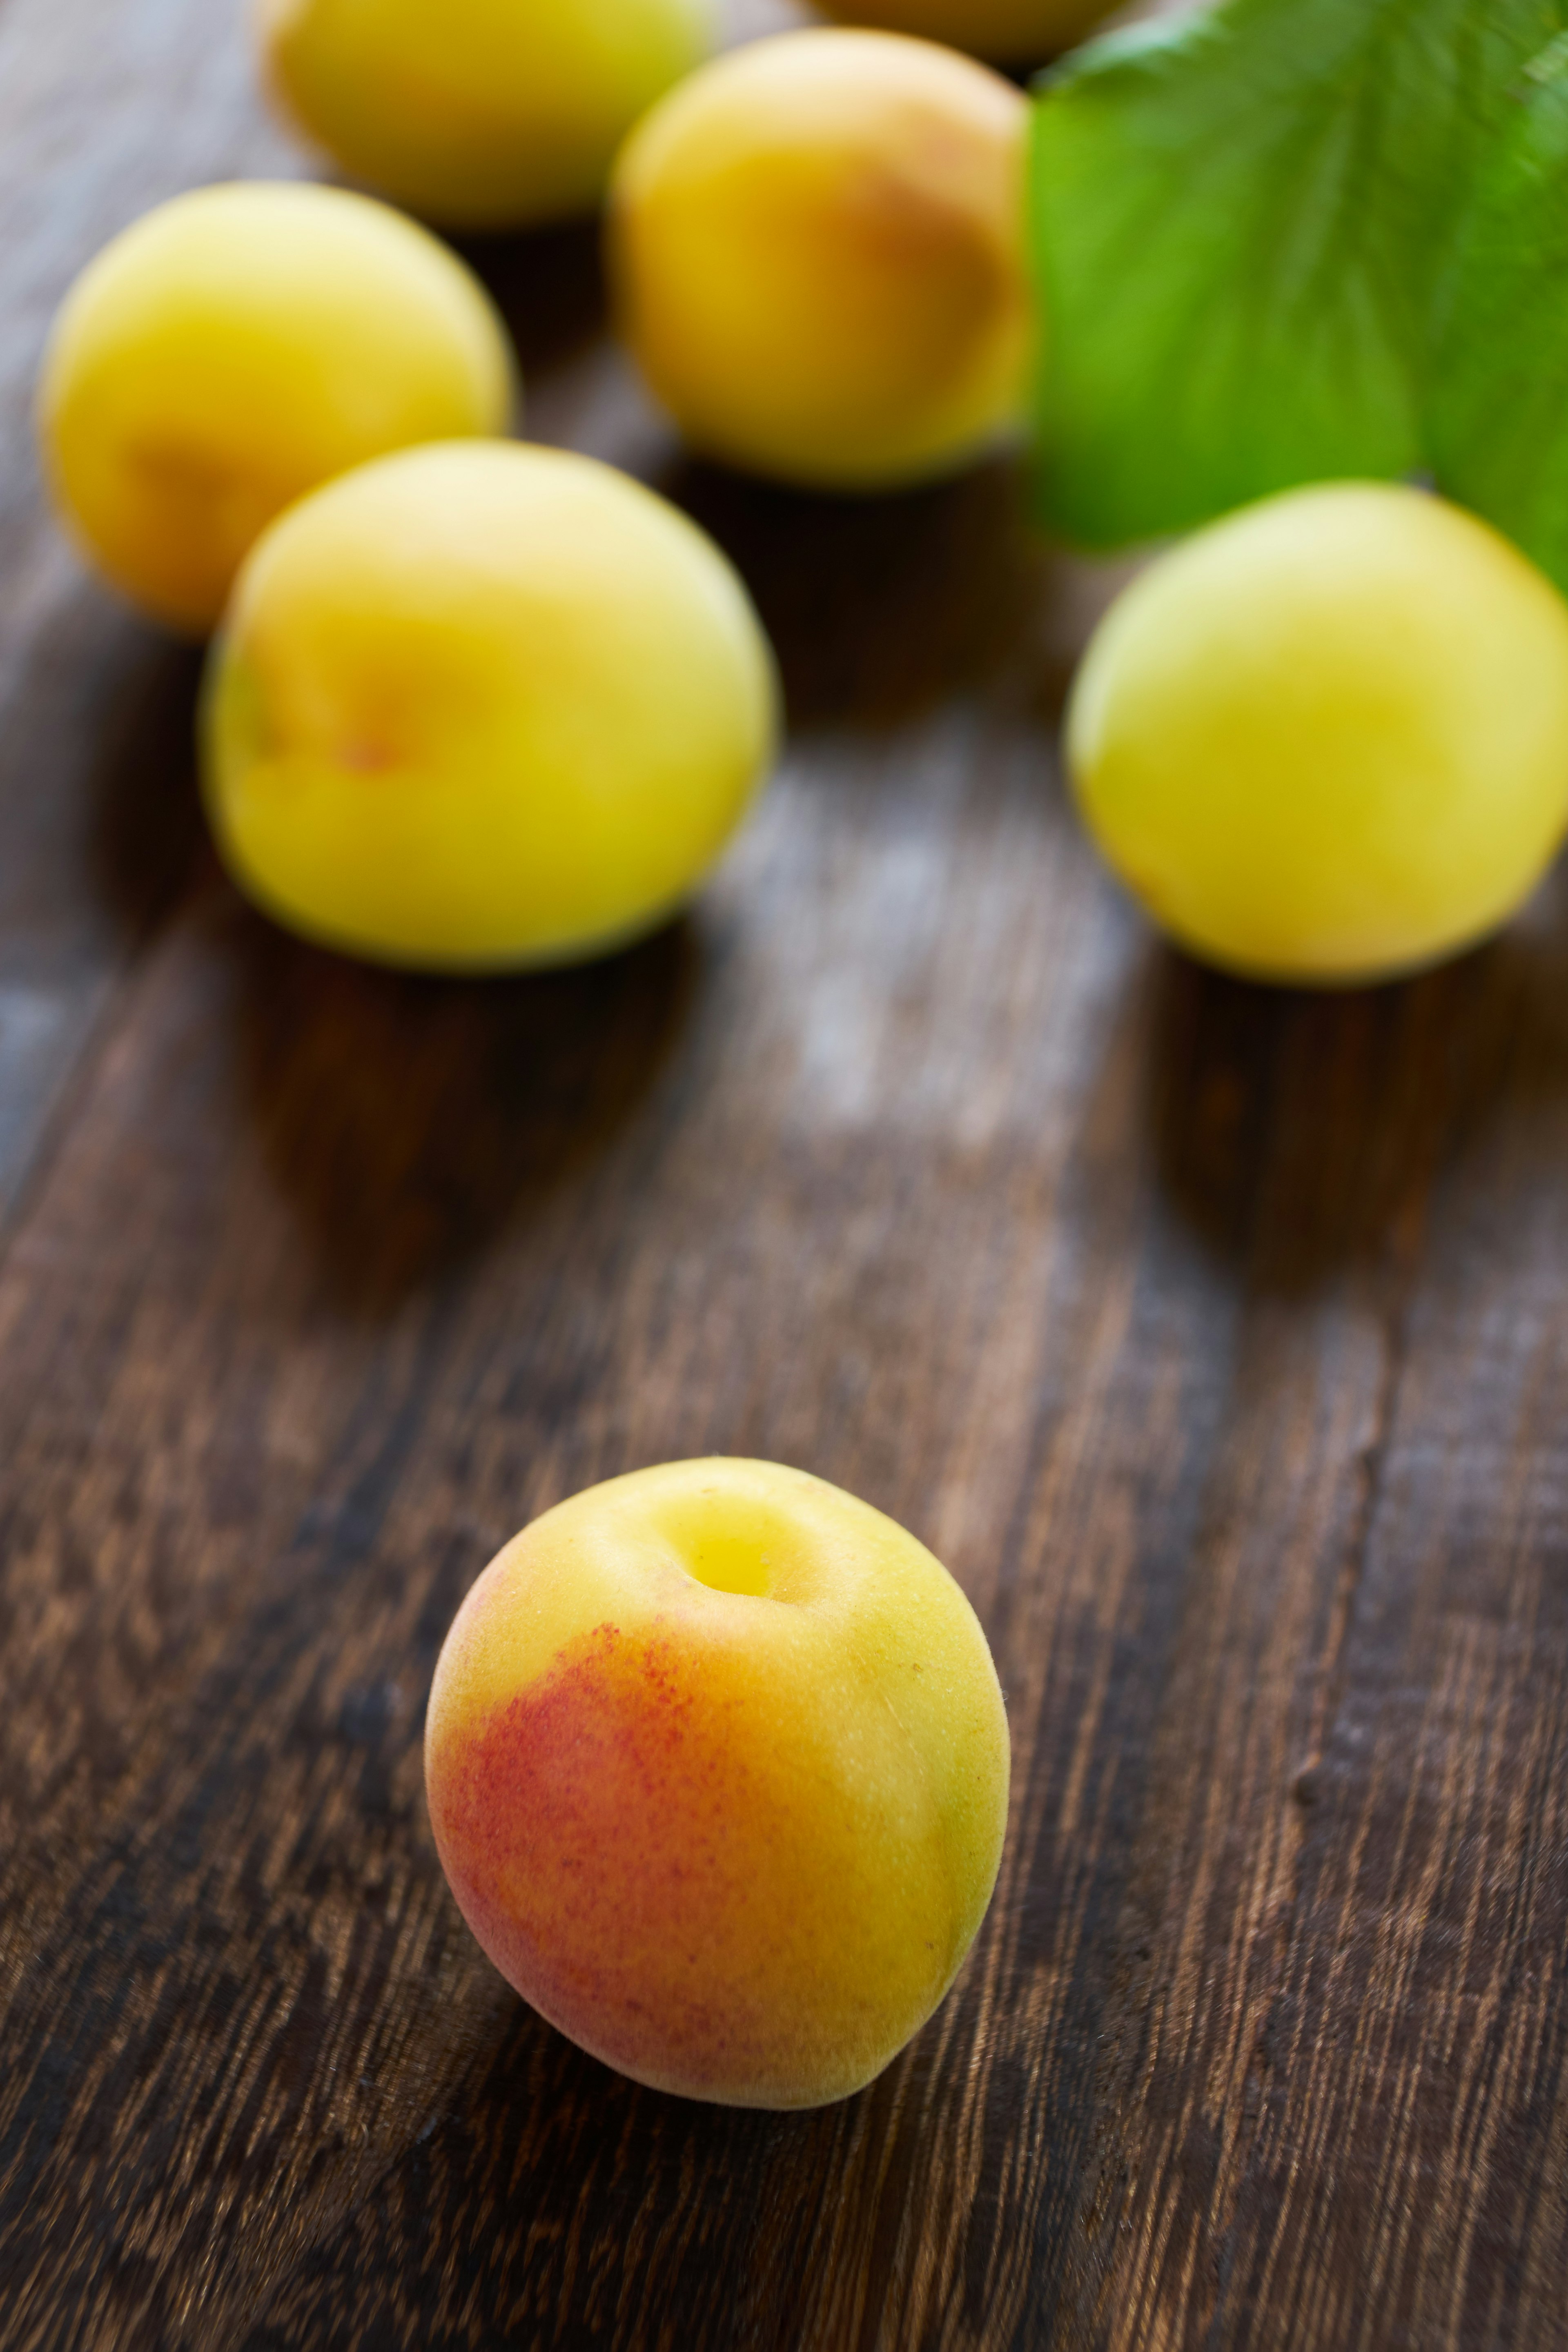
[1219, 1339]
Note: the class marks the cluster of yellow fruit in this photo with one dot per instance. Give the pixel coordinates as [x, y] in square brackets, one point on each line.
[488, 707]
[476, 704]
[717, 1757]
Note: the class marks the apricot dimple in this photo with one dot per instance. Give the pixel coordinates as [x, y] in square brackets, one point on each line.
[733, 1547]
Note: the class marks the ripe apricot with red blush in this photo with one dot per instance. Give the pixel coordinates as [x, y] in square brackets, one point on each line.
[718, 1767]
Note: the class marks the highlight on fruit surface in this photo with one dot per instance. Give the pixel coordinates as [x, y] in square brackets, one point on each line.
[1326, 739]
[478, 113]
[717, 1766]
[1008, 32]
[816, 251]
[481, 706]
[234, 349]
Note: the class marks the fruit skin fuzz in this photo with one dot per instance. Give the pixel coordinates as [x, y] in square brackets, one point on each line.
[718, 1768]
[816, 258]
[1326, 739]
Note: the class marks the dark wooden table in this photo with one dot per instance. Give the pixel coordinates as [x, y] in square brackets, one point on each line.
[1217, 1339]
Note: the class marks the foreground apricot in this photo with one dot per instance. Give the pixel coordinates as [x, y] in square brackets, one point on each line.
[1011, 32]
[717, 1764]
[1327, 740]
[481, 705]
[236, 347]
[478, 113]
[815, 250]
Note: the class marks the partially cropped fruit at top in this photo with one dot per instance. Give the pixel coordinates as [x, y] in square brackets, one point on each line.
[815, 250]
[481, 706]
[478, 113]
[718, 1768]
[1327, 739]
[1010, 32]
[233, 350]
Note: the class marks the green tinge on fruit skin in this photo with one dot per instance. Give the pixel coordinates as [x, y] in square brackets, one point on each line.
[482, 707]
[1325, 741]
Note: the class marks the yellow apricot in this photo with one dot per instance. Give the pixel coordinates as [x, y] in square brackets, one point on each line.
[478, 113]
[234, 349]
[1010, 32]
[1326, 739]
[718, 1767]
[815, 250]
[481, 705]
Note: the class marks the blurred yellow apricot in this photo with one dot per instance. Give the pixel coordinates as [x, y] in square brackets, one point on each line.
[1325, 739]
[233, 350]
[478, 113]
[1010, 32]
[482, 705]
[816, 257]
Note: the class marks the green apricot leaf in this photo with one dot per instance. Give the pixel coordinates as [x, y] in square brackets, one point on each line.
[1500, 385]
[1243, 224]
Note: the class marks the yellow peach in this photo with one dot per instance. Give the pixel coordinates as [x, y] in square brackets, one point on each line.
[816, 257]
[234, 349]
[1010, 32]
[717, 1765]
[481, 705]
[478, 113]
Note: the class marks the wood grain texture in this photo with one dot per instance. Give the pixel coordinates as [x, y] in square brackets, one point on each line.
[1219, 1339]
